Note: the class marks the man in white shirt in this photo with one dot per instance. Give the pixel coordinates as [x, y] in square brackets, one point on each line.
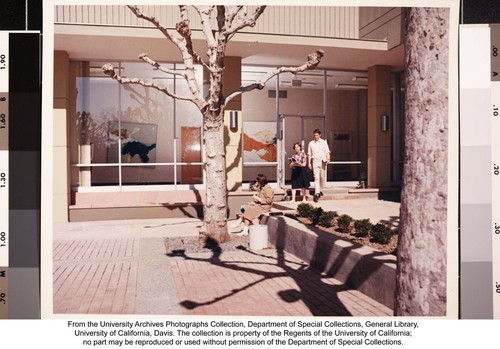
[318, 154]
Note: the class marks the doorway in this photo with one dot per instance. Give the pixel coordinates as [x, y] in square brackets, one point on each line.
[292, 129]
[191, 152]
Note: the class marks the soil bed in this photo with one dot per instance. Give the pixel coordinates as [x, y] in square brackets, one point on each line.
[191, 244]
[389, 248]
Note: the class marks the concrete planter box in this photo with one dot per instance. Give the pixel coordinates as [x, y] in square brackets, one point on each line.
[370, 271]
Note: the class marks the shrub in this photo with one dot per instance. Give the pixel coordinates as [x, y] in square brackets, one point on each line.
[304, 210]
[362, 226]
[381, 233]
[326, 219]
[315, 215]
[344, 223]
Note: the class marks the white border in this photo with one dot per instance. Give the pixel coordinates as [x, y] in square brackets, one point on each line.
[453, 170]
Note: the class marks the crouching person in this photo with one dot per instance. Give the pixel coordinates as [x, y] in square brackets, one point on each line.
[261, 204]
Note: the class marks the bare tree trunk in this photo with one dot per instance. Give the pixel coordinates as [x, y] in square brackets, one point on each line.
[215, 208]
[421, 274]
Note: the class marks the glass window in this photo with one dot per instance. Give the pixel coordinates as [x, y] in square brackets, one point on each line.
[136, 127]
[188, 132]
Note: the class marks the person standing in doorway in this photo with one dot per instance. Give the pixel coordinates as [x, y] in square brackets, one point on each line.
[318, 153]
[300, 178]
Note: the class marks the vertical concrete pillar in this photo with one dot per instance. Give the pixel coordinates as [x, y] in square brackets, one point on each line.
[379, 141]
[232, 135]
[234, 139]
[61, 194]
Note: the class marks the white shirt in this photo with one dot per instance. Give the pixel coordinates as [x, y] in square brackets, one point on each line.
[318, 150]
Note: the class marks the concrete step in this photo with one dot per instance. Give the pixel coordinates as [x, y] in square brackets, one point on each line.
[328, 194]
[326, 191]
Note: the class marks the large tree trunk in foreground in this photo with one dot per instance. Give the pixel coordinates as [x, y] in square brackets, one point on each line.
[421, 274]
[215, 208]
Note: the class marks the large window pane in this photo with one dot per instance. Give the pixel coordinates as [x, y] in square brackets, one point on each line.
[347, 120]
[189, 122]
[147, 115]
[259, 111]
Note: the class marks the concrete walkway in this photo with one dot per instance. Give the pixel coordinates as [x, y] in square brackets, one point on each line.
[121, 267]
[378, 211]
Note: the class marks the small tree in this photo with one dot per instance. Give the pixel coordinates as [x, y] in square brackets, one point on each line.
[230, 20]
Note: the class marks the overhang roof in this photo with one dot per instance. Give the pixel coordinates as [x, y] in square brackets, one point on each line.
[125, 43]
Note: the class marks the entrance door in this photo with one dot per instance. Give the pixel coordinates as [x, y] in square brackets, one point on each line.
[191, 152]
[292, 129]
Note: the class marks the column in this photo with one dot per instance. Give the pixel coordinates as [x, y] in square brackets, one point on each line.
[233, 130]
[61, 193]
[379, 133]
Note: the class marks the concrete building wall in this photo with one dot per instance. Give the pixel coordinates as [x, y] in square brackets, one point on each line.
[301, 20]
[61, 194]
[382, 23]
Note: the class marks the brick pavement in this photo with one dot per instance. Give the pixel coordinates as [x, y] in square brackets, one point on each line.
[105, 274]
[95, 276]
[263, 283]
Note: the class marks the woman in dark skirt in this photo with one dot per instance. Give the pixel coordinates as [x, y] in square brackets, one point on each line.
[300, 177]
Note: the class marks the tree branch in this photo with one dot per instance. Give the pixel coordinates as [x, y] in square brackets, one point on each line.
[157, 24]
[185, 47]
[184, 30]
[231, 13]
[145, 58]
[245, 21]
[221, 18]
[109, 70]
[313, 60]
[205, 12]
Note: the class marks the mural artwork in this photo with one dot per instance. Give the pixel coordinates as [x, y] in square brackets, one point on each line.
[138, 142]
[259, 142]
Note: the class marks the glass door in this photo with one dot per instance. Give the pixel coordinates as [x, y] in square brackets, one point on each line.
[293, 129]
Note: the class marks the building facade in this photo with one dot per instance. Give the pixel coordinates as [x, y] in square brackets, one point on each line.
[130, 151]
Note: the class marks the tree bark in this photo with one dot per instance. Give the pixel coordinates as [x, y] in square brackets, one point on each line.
[215, 208]
[421, 274]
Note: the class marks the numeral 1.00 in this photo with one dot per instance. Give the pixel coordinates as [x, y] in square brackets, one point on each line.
[3, 239]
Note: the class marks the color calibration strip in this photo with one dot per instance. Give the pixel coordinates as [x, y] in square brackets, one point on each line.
[495, 162]
[20, 158]
[24, 172]
[480, 171]
[4, 174]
